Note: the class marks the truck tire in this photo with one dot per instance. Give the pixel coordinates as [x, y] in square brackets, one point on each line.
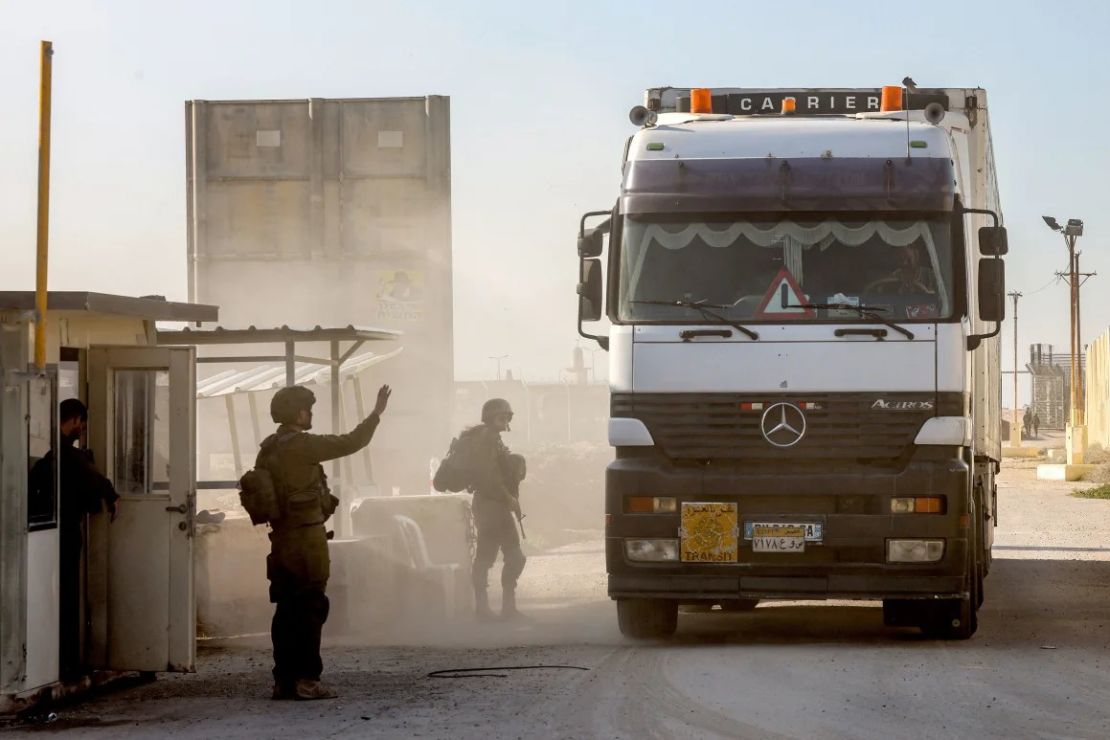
[957, 619]
[647, 619]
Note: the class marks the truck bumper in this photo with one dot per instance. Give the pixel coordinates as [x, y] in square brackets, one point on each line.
[853, 507]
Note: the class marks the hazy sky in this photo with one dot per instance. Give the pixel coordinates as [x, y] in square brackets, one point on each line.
[539, 99]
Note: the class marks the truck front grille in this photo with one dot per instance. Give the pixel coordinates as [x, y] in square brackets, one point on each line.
[721, 426]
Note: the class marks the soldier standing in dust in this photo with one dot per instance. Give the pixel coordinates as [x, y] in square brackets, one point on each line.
[498, 474]
[298, 564]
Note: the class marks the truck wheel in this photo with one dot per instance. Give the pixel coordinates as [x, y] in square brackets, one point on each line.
[957, 619]
[953, 619]
[739, 605]
[646, 619]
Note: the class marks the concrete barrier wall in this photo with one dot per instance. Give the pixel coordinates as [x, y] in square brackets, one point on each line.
[1098, 391]
[377, 577]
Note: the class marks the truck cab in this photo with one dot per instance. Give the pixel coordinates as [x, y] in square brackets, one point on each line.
[803, 291]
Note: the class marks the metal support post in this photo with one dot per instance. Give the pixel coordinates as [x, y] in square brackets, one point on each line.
[46, 61]
[233, 427]
[1015, 428]
[342, 523]
[290, 363]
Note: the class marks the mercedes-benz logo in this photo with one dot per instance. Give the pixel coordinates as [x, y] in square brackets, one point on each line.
[783, 424]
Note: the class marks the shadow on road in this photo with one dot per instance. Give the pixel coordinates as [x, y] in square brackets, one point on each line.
[1029, 603]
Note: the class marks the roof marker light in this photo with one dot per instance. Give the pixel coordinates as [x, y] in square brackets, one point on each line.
[892, 99]
[789, 105]
[701, 100]
[655, 146]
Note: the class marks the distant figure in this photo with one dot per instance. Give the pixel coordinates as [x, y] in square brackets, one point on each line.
[84, 491]
[1027, 422]
[298, 565]
[1036, 425]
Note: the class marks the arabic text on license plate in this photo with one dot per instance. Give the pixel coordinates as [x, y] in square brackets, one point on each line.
[778, 538]
[709, 533]
[814, 531]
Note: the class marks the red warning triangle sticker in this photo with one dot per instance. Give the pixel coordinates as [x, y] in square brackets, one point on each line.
[783, 293]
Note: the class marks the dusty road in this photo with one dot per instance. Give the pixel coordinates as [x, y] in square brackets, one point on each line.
[1038, 666]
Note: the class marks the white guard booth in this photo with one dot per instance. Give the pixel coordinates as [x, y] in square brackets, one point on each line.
[133, 589]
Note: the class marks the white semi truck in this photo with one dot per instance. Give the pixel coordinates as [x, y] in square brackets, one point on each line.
[804, 290]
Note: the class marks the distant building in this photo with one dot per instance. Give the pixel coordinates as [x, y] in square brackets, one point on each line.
[334, 212]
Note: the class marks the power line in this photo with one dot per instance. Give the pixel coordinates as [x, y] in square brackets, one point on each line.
[1054, 280]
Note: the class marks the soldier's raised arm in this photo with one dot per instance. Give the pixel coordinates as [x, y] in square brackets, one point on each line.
[323, 447]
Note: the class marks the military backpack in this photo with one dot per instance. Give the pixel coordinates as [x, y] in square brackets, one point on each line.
[257, 489]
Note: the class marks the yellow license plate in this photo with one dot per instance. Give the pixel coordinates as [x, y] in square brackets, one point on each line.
[710, 533]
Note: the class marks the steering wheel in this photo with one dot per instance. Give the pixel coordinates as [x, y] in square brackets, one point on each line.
[877, 285]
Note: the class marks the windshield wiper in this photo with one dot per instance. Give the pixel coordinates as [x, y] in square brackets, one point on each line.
[705, 310]
[868, 312]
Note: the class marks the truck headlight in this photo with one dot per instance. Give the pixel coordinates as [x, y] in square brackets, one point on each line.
[914, 551]
[651, 551]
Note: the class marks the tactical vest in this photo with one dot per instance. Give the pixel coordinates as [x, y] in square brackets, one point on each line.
[302, 508]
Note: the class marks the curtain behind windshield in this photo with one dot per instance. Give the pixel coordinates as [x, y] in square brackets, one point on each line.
[902, 267]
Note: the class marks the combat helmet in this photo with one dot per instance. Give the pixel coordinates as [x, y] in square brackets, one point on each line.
[287, 403]
[493, 407]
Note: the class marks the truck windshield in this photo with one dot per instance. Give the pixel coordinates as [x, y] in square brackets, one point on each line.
[765, 270]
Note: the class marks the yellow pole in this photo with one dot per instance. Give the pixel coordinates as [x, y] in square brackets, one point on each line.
[43, 237]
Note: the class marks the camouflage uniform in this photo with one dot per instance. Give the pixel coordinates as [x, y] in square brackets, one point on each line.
[495, 507]
[298, 564]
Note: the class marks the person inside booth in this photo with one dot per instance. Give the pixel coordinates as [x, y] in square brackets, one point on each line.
[84, 491]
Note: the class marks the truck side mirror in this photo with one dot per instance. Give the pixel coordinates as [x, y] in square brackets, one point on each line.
[992, 241]
[590, 242]
[992, 289]
[589, 290]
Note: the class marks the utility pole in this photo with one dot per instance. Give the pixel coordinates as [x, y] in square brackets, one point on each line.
[1077, 393]
[1015, 427]
[1076, 431]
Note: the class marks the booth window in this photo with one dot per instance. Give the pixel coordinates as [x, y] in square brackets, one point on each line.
[141, 431]
[42, 436]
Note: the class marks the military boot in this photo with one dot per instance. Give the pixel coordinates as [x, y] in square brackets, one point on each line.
[481, 605]
[306, 690]
[508, 606]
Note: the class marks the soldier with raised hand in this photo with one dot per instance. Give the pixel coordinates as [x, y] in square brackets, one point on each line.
[498, 474]
[298, 564]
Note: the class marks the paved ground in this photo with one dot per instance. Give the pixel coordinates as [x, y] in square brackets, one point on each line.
[1037, 666]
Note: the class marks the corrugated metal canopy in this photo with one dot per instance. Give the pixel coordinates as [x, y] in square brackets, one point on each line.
[271, 375]
[284, 333]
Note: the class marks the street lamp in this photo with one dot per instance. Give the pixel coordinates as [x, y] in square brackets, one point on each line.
[1072, 231]
[499, 358]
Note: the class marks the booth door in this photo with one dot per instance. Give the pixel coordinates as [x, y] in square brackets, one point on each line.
[142, 431]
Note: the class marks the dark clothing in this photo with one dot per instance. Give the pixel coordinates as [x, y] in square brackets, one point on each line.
[298, 568]
[84, 491]
[298, 565]
[495, 504]
[1036, 425]
[497, 530]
